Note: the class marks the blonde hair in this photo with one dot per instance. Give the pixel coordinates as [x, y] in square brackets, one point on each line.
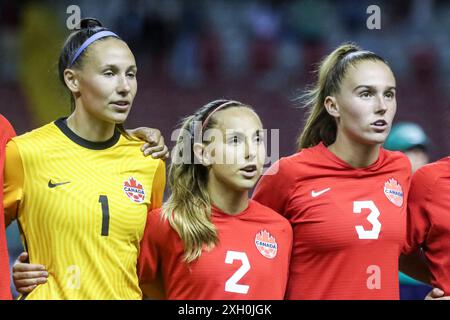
[320, 126]
[188, 208]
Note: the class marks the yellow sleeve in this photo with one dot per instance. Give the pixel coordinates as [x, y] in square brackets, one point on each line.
[159, 184]
[13, 182]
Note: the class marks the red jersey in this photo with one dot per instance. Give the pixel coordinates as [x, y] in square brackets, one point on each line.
[428, 222]
[348, 223]
[251, 260]
[6, 133]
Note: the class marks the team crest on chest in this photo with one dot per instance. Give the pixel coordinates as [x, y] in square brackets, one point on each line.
[134, 190]
[266, 244]
[394, 192]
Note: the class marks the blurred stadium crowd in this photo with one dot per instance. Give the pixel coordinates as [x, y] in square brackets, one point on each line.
[258, 51]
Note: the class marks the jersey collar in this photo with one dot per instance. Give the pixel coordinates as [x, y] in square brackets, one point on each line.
[61, 123]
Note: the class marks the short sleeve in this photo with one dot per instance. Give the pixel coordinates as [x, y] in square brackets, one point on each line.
[159, 184]
[6, 128]
[418, 219]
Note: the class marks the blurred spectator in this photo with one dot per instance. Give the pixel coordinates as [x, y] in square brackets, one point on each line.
[411, 139]
[9, 42]
[264, 26]
[161, 27]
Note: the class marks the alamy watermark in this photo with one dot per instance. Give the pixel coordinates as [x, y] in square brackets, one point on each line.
[374, 20]
[74, 18]
[264, 148]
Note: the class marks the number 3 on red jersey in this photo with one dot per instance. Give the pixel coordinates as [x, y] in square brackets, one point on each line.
[372, 218]
[231, 285]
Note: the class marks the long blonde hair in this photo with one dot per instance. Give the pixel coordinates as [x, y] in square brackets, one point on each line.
[188, 208]
[320, 125]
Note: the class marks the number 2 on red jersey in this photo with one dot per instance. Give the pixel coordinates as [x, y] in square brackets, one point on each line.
[231, 285]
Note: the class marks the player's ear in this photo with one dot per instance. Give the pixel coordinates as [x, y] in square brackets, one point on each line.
[331, 106]
[71, 80]
[202, 154]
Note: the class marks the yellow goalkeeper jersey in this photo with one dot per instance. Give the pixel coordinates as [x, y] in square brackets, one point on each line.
[82, 208]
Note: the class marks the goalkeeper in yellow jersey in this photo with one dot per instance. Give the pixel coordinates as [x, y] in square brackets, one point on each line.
[80, 186]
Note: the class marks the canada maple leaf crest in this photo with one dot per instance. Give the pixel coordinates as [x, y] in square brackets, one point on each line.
[266, 244]
[394, 192]
[134, 190]
[133, 183]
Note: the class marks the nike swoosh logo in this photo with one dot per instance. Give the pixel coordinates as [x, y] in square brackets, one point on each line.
[53, 185]
[318, 193]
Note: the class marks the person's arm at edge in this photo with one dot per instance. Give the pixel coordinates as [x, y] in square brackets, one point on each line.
[13, 182]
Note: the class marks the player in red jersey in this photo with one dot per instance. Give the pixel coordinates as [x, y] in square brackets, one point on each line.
[209, 241]
[344, 195]
[6, 133]
[428, 226]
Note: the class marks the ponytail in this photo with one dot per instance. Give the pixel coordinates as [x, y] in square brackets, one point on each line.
[320, 125]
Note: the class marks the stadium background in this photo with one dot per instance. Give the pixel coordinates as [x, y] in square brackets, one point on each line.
[259, 52]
